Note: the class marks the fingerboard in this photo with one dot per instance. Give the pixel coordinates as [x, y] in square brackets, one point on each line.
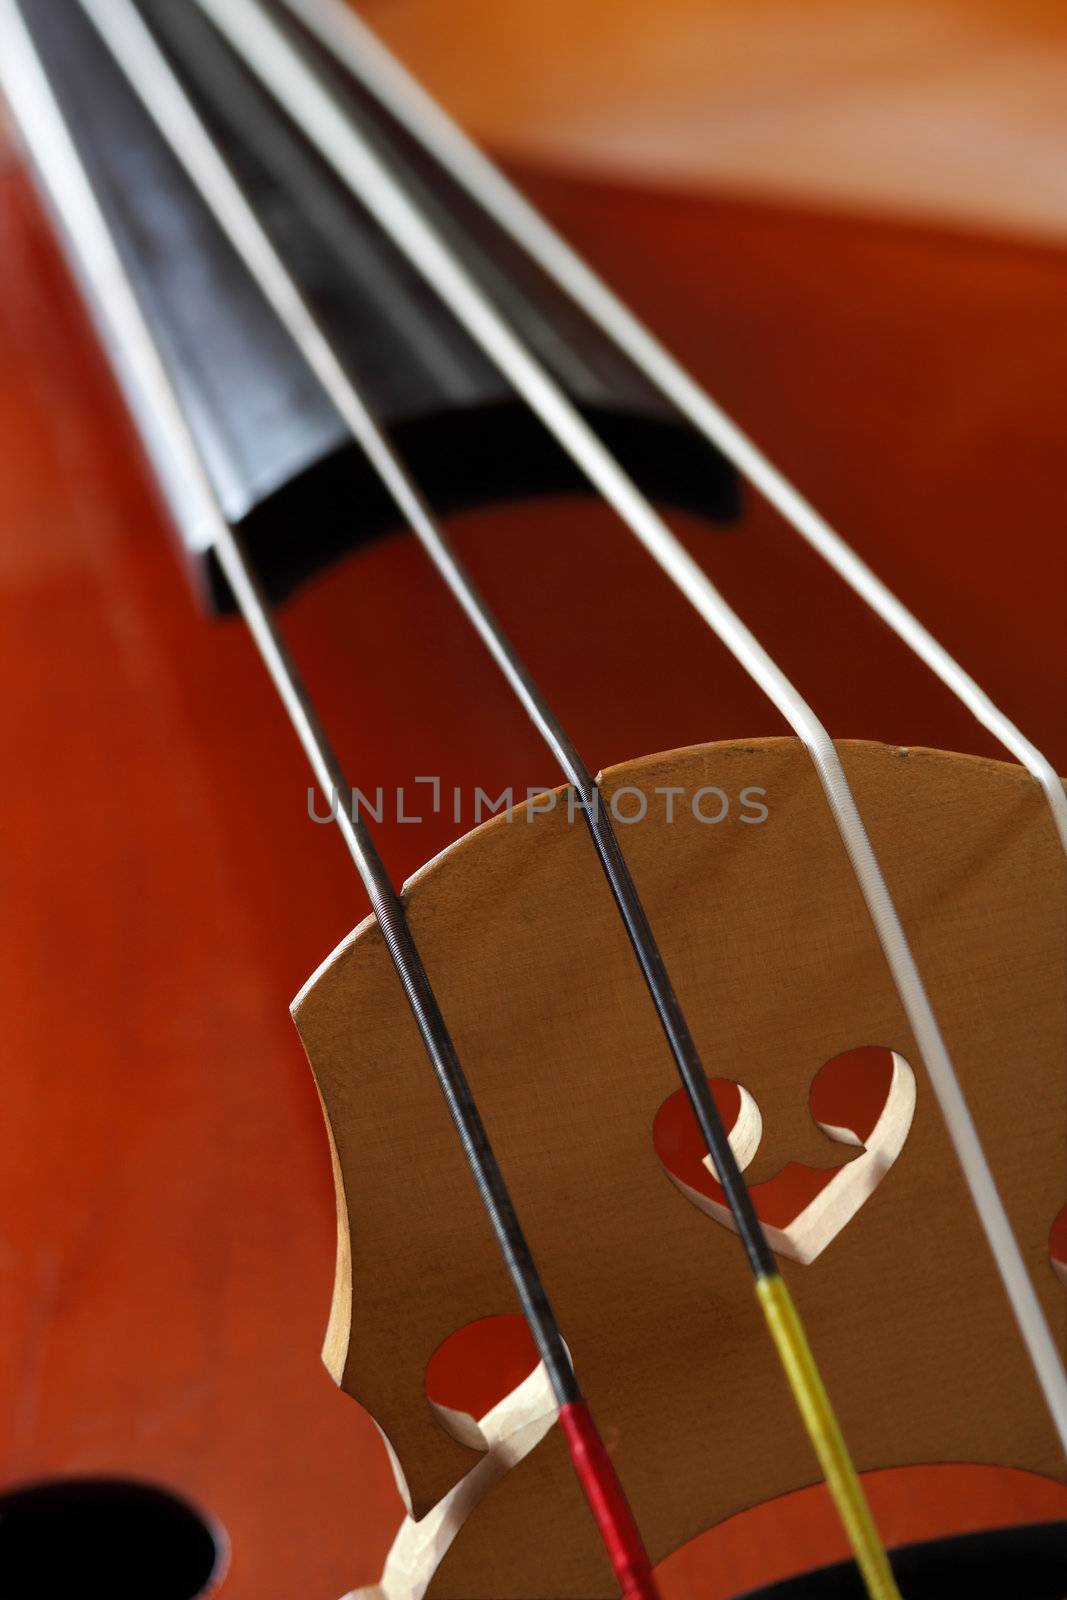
[278, 455]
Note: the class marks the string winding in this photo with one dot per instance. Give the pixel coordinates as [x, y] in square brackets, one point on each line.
[29, 86]
[162, 94]
[263, 45]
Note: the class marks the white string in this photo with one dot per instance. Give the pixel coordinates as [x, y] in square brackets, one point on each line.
[338, 27]
[125, 33]
[38, 114]
[265, 48]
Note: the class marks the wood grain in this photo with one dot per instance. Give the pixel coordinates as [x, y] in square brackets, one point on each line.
[776, 964]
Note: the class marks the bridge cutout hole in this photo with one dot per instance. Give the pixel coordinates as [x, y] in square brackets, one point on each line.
[864, 1098]
[476, 1370]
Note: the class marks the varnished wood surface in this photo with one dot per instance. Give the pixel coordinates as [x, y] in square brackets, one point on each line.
[168, 1244]
[948, 110]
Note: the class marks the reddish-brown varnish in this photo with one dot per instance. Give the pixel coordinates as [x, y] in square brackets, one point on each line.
[165, 1182]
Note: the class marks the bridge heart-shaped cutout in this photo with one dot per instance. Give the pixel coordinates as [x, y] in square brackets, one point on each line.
[864, 1098]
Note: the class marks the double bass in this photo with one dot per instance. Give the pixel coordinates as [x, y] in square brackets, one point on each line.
[488, 534]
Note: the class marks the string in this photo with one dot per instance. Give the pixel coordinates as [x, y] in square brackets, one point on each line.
[351, 41]
[148, 71]
[31, 94]
[264, 46]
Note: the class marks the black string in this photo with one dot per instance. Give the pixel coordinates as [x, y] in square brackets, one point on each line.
[463, 1109]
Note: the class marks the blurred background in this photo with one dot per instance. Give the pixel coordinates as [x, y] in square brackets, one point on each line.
[952, 109]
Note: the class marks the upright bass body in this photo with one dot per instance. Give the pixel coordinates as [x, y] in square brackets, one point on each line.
[167, 1181]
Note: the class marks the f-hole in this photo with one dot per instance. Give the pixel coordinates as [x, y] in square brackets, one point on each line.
[106, 1536]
